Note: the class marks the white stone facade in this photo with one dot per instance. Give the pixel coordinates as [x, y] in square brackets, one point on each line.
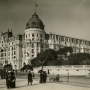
[20, 49]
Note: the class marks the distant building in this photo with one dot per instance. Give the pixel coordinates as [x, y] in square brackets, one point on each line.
[20, 49]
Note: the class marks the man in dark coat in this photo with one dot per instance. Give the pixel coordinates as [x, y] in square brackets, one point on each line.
[13, 80]
[8, 81]
[30, 78]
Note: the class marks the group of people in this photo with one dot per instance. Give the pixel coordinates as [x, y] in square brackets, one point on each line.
[43, 77]
[10, 80]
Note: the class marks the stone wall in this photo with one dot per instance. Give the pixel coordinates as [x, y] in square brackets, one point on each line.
[67, 69]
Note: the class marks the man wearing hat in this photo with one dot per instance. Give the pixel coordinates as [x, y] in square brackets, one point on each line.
[30, 78]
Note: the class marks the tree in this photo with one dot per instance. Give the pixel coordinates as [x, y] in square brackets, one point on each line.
[63, 52]
[35, 62]
[79, 59]
[55, 62]
[44, 57]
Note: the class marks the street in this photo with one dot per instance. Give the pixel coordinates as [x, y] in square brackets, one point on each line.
[21, 84]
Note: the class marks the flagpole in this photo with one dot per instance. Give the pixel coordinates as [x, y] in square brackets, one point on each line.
[35, 9]
[35, 6]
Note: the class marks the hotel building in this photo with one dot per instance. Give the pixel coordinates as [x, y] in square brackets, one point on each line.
[20, 49]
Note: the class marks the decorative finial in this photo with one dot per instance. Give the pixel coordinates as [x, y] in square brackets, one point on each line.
[35, 6]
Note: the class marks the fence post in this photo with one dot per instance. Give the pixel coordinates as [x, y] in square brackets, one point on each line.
[68, 77]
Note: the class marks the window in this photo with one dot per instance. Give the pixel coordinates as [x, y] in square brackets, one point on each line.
[32, 50]
[32, 34]
[53, 37]
[72, 40]
[12, 48]
[76, 41]
[14, 52]
[66, 39]
[89, 43]
[8, 53]
[32, 45]
[29, 35]
[40, 35]
[40, 40]
[14, 57]
[65, 43]
[62, 38]
[85, 42]
[24, 51]
[32, 55]
[26, 35]
[59, 38]
[37, 35]
[9, 58]
[32, 39]
[1, 50]
[41, 45]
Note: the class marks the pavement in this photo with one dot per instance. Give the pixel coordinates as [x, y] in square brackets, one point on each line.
[21, 84]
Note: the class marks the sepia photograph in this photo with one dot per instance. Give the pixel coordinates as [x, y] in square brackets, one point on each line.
[44, 44]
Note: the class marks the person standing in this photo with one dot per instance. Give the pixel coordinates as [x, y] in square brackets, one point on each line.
[30, 80]
[57, 78]
[13, 80]
[41, 77]
[8, 81]
[44, 76]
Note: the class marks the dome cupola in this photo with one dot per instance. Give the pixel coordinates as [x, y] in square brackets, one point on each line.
[35, 22]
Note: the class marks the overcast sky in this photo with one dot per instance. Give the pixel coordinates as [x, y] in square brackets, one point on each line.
[62, 17]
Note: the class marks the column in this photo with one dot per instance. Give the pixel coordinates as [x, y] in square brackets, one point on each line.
[19, 56]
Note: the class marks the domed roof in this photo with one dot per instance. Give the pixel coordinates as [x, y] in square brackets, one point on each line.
[34, 22]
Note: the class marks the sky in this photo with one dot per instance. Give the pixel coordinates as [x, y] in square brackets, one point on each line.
[62, 17]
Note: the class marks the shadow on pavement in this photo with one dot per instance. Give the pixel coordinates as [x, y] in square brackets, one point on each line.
[27, 85]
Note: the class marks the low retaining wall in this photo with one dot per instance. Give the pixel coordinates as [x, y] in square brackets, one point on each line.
[65, 70]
